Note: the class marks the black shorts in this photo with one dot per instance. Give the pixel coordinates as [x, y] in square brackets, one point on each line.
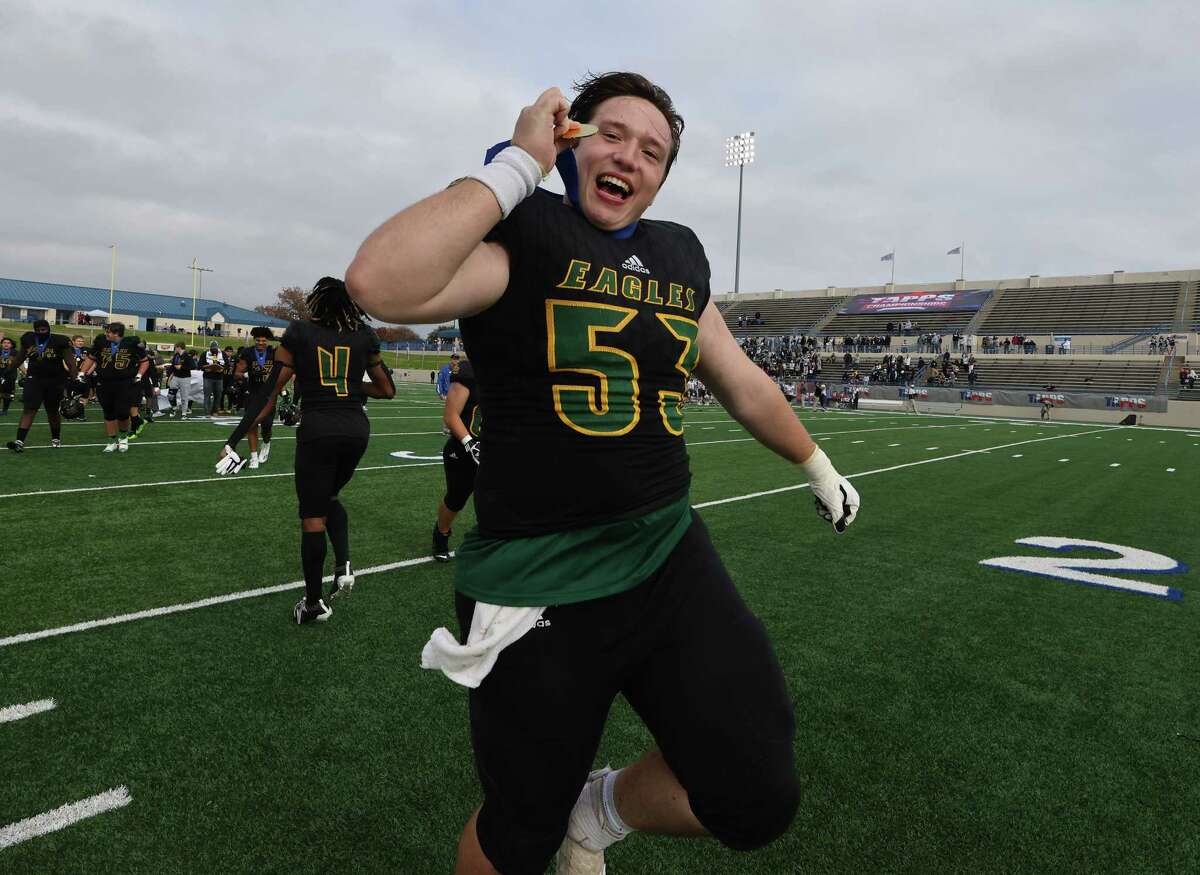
[460, 474]
[695, 664]
[116, 397]
[8, 384]
[323, 466]
[39, 391]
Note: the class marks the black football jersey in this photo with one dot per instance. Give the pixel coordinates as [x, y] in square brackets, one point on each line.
[330, 366]
[258, 367]
[116, 360]
[581, 369]
[46, 360]
[463, 373]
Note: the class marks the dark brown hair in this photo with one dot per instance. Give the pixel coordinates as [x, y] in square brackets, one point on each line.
[595, 88]
[117, 328]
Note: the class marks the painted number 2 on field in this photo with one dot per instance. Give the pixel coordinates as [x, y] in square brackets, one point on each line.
[1088, 571]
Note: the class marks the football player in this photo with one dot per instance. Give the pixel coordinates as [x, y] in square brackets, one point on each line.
[583, 321]
[84, 391]
[147, 400]
[329, 353]
[180, 374]
[255, 365]
[120, 364]
[460, 456]
[8, 373]
[48, 366]
[227, 381]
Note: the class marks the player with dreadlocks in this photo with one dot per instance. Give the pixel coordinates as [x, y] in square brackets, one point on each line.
[328, 353]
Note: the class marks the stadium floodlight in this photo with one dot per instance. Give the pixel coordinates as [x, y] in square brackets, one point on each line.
[739, 151]
[197, 282]
[112, 281]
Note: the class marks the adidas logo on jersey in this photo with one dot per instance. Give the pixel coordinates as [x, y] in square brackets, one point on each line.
[541, 623]
[635, 264]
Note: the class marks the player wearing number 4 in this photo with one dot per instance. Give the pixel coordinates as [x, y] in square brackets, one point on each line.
[584, 321]
[328, 353]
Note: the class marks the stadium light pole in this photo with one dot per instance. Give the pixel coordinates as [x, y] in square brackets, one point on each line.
[197, 273]
[112, 280]
[739, 151]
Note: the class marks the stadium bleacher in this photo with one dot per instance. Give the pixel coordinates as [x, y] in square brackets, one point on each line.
[1068, 373]
[876, 323]
[779, 315]
[1096, 309]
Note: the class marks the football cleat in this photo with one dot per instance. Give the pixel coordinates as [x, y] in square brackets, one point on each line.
[441, 544]
[123, 445]
[263, 452]
[253, 461]
[141, 428]
[111, 447]
[343, 581]
[302, 613]
[55, 443]
[16, 446]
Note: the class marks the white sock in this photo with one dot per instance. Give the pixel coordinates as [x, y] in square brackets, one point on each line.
[254, 457]
[595, 823]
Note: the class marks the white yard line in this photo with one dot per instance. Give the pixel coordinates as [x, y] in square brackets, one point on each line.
[232, 479]
[285, 437]
[25, 637]
[20, 712]
[217, 600]
[960, 455]
[64, 816]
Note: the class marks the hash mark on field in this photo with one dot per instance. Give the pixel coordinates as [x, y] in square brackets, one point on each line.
[72, 812]
[893, 445]
[858, 442]
[1170, 470]
[1115, 465]
[932, 448]
[20, 712]
[1064, 460]
[1017, 456]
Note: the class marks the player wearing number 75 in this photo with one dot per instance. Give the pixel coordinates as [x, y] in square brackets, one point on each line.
[584, 320]
[328, 354]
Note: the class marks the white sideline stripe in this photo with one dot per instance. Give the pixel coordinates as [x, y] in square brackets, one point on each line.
[141, 443]
[20, 712]
[218, 479]
[891, 468]
[217, 600]
[202, 603]
[64, 816]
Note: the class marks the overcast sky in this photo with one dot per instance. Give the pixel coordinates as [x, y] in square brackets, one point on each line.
[268, 139]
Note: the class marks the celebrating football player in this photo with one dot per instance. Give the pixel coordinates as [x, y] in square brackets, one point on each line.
[329, 353]
[460, 456]
[120, 363]
[48, 366]
[603, 532]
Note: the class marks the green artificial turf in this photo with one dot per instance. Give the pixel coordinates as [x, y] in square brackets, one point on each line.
[952, 717]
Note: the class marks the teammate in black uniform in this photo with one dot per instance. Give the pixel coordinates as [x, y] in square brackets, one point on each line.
[86, 390]
[583, 321]
[460, 456]
[147, 400]
[255, 365]
[328, 354]
[120, 364]
[48, 366]
[8, 373]
[228, 381]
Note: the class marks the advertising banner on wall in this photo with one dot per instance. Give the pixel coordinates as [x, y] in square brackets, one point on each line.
[917, 302]
[1131, 402]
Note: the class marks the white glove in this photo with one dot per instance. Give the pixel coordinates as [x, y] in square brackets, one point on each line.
[230, 463]
[472, 448]
[837, 501]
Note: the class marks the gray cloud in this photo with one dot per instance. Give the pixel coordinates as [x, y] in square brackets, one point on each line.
[267, 141]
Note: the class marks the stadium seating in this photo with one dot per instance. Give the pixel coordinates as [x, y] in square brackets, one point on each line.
[1099, 309]
[1067, 373]
[876, 323]
[779, 315]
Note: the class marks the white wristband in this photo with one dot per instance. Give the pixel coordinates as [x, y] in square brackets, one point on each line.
[512, 176]
[467, 439]
[818, 465]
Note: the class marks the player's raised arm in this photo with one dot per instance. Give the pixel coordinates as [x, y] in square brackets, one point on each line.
[429, 262]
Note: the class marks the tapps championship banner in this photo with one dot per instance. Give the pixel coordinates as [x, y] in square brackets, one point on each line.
[917, 302]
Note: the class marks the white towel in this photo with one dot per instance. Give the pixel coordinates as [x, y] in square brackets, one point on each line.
[493, 627]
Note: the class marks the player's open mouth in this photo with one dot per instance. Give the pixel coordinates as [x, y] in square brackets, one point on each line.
[613, 188]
